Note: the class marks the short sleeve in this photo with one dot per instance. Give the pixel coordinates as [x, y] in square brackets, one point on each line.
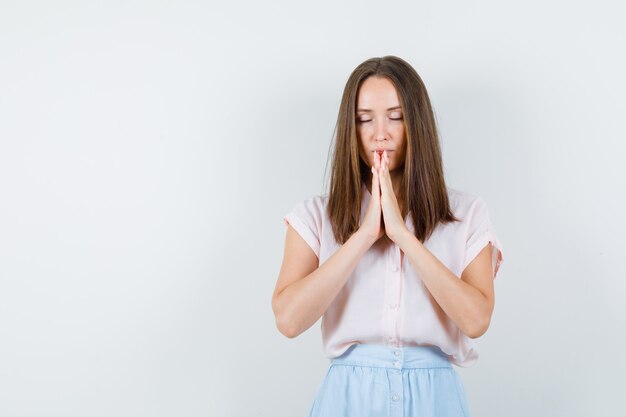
[480, 233]
[306, 219]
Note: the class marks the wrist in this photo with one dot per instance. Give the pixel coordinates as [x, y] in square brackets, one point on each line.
[365, 237]
[403, 237]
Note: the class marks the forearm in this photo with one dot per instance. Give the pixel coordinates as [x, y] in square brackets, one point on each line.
[464, 304]
[302, 303]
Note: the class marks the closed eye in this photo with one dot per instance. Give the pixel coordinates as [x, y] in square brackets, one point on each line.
[367, 121]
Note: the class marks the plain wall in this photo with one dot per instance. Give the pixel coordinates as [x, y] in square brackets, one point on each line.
[149, 151]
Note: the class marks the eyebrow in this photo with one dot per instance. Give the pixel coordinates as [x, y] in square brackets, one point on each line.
[390, 108]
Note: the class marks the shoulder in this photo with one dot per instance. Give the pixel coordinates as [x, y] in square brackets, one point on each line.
[314, 203]
[311, 209]
[463, 202]
[309, 219]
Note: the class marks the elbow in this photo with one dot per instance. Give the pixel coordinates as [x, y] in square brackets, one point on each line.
[477, 327]
[479, 320]
[285, 326]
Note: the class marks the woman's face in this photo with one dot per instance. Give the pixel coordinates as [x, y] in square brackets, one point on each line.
[380, 122]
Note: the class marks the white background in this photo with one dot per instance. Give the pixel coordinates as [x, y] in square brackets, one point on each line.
[149, 151]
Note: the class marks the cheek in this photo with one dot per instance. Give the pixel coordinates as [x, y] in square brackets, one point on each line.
[399, 132]
[401, 138]
[364, 130]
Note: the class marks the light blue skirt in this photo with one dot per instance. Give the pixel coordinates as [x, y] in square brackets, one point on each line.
[385, 381]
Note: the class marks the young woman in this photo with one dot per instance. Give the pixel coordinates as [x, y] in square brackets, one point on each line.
[399, 266]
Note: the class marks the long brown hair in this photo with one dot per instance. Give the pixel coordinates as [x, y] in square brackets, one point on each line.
[423, 185]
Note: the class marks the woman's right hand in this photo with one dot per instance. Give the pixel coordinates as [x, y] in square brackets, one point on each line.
[372, 223]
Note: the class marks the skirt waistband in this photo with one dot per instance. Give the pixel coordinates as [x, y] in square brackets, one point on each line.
[405, 357]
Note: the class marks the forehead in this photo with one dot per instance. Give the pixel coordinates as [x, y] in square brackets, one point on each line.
[377, 92]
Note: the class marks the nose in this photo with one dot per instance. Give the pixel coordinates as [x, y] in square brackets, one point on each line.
[380, 134]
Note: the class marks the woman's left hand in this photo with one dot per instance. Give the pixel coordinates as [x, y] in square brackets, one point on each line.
[394, 223]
